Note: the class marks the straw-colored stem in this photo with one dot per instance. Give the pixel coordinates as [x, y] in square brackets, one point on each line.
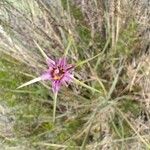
[113, 23]
[118, 21]
[54, 107]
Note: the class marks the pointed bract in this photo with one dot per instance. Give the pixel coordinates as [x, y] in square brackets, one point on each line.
[30, 82]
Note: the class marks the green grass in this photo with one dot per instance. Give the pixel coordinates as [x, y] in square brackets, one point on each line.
[99, 109]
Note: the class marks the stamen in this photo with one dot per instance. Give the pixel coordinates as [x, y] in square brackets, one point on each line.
[57, 73]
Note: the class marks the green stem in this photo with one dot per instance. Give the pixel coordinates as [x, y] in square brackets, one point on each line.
[54, 107]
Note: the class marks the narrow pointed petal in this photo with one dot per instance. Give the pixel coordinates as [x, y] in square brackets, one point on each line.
[30, 82]
[56, 86]
[50, 62]
[46, 76]
[67, 78]
[62, 62]
[69, 67]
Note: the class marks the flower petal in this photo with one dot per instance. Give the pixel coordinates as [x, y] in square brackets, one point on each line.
[46, 76]
[50, 62]
[69, 67]
[67, 78]
[56, 86]
[62, 62]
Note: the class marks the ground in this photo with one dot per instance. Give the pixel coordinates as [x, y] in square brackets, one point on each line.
[107, 104]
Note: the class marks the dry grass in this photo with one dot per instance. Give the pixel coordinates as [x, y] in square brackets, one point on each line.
[108, 43]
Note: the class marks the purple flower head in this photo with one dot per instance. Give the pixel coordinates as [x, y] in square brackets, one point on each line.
[58, 72]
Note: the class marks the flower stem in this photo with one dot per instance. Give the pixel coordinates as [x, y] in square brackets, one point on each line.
[54, 107]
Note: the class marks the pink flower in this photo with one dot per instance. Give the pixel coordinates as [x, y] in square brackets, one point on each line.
[58, 72]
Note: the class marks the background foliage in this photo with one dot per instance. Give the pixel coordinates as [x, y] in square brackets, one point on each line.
[108, 41]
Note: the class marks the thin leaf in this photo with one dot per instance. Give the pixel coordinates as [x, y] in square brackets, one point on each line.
[68, 47]
[114, 83]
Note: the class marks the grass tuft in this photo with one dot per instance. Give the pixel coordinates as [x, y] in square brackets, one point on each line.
[107, 104]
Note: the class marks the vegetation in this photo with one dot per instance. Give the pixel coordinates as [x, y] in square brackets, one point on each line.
[107, 106]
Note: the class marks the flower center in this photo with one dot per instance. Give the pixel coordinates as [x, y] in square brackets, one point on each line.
[57, 73]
